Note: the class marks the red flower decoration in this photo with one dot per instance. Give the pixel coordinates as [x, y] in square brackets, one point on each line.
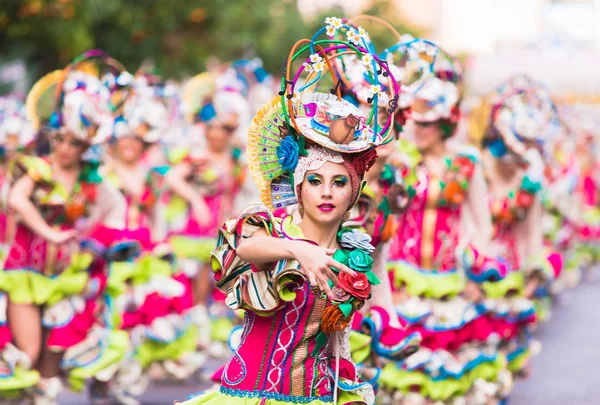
[364, 160]
[465, 166]
[358, 286]
[401, 117]
[455, 114]
[524, 199]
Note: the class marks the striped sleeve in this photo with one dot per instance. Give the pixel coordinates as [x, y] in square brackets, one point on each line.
[263, 292]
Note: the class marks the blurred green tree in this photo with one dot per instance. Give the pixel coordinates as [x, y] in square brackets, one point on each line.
[179, 36]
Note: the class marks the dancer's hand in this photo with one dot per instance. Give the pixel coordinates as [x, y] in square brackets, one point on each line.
[473, 292]
[61, 237]
[316, 262]
[201, 213]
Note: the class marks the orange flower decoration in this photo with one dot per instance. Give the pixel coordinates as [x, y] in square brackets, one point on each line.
[454, 193]
[333, 320]
[74, 211]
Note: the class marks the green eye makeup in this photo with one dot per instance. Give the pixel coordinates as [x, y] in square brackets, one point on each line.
[342, 180]
[313, 178]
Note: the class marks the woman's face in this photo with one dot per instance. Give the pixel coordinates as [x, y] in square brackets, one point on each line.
[67, 149]
[129, 149]
[326, 194]
[509, 164]
[218, 136]
[427, 135]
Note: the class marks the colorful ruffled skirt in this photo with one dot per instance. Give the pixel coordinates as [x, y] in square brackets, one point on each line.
[457, 355]
[68, 282]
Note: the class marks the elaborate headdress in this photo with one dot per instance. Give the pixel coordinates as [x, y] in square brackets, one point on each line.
[16, 130]
[212, 97]
[409, 60]
[304, 128]
[522, 112]
[439, 94]
[82, 98]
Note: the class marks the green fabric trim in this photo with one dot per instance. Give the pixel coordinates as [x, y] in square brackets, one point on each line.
[430, 285]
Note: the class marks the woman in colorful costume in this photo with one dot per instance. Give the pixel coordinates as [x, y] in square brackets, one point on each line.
[54, 273]
[445, 218]
[384, 193]
[17, 136]
[521, 119]
[299, 283]
[204, 184]
[150, 298]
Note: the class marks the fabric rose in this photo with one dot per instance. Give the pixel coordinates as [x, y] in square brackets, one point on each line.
[355, 239]
[359, 260]
[364, 160]
[333, 320]
[466, 167]
[340, 295]
[341, 256]
[287, 153]
[358, 286]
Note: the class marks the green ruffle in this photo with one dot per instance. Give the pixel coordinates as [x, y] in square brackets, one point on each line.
[151, 351]
[543, 309]
[216, 398]
[138, 272]
[520, 362]
[439, 390]
[177, 207]
[427, 284]
[360, 346]
[116, 348]
[177, 154]
[11, 386]
[30, 287]
[192, 248]
[513, 281]
[220, 329]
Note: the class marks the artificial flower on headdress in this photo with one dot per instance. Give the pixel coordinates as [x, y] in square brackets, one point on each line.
[16, 130]
[144, 116]
[436, 100]
[85, 111]
[518, 118]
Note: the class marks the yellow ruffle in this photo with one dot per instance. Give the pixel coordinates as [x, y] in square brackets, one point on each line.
[186, 247]
[116, 346]
[30, 287]
[499, 289]
[427, 284]
[151, 351]
[395, 378]
[360, 346]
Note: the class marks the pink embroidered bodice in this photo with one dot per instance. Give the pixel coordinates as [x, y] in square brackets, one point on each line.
[429, 232]
[275, 359]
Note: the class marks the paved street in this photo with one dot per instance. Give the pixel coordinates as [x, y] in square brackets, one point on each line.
[566, 373]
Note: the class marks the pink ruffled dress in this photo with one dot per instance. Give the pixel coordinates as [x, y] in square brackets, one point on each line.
[423, 260]
[283, 357]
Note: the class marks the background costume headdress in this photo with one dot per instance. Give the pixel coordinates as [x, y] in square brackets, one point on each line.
[410, 60]
[16, 129]
[89, 92]
[439, 94]
[522, 114]
[304, 128]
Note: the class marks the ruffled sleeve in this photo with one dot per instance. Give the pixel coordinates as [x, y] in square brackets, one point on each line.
[40, 172]
[35, 167]
[262, 292]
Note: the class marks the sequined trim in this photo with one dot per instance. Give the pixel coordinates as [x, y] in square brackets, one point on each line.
[274, 395]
